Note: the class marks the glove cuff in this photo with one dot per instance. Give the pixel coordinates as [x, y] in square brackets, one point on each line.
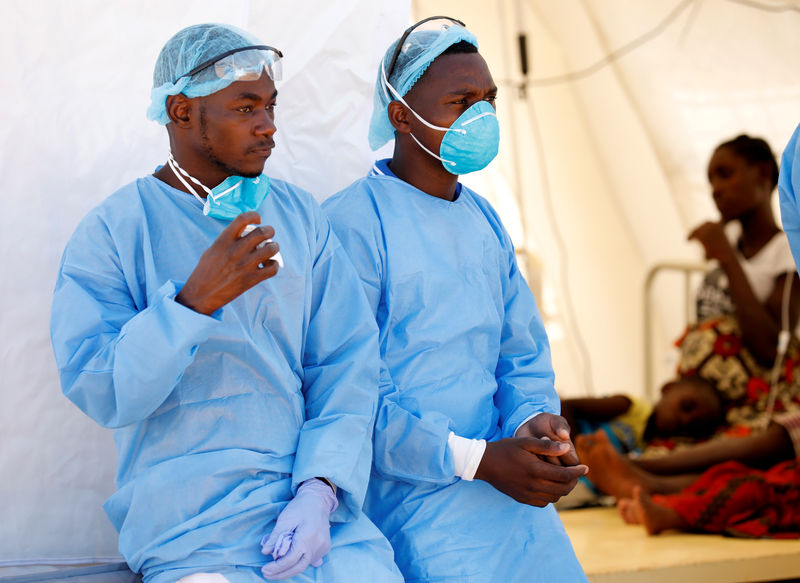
[321, 491]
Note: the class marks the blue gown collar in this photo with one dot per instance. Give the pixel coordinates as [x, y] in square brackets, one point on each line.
[381, 168]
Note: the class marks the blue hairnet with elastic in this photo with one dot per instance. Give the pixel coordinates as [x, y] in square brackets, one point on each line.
[419, 50]
[182, 53]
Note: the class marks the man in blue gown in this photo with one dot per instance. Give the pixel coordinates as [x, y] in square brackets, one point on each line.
[788, 189]
[240, 378]
[467, 390]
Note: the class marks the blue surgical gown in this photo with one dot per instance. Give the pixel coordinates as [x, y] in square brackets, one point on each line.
[788, 189]
[218, 419]
[465, 351]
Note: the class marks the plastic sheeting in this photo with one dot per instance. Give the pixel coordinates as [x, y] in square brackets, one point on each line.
[73, 129]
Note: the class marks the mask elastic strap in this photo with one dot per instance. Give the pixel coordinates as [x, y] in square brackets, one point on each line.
[477, 117]
[216, 197]
[403, 101]
[442, 160]
[177, 170]
[385, 83]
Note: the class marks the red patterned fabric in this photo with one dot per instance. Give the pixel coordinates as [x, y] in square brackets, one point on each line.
[737, 500]
[791, 423]
[713, 350]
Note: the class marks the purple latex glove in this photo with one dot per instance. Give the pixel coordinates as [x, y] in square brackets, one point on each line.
[302, 533]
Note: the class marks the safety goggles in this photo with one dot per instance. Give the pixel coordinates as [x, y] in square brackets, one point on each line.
[243, 64]
[399, 48]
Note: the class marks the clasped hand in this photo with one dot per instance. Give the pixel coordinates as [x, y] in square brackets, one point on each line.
[232, 265]
[538, 466]
[301, 536]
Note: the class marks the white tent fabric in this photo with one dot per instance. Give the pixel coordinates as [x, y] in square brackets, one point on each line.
[601, 175]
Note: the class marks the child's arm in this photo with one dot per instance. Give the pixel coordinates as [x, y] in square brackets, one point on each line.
[593, 409]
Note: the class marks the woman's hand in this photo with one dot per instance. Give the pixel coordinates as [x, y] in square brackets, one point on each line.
[711, 235]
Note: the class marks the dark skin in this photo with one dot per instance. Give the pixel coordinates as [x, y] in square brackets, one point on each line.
[742, 192]
[683, 410]
[593, 409]
[618, 475]
[642, 509]
[687, 409]
[539, 464]
[229, 132]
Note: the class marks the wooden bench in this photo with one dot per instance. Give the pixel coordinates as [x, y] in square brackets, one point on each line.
[614, 552]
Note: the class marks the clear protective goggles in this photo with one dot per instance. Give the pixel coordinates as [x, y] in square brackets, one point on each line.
[433, 23]
[243, 64]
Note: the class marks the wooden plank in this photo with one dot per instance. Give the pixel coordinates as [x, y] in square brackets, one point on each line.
[614, 552]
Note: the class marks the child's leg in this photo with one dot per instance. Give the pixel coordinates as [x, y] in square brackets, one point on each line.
[616, 475]
[642, 509]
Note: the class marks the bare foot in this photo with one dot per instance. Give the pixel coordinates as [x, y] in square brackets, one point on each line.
[608, 470]
[628, 511]
[654, 517]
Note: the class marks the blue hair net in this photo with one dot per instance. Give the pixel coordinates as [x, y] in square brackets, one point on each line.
[419, 50]
[182, 53]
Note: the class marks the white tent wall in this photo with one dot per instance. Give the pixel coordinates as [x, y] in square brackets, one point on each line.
[637, 206]
[73, 129]
[697, 73]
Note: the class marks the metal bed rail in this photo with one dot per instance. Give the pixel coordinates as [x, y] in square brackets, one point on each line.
[687, 269]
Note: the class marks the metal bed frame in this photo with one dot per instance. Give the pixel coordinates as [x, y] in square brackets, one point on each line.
[687, 269]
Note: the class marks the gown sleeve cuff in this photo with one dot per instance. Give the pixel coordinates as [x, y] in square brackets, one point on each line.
[528, 418]
[467, 455]
[181, 330]
[170, 290]
[527, 411]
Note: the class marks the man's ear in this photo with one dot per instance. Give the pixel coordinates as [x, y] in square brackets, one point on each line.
[179, 110]
[398, 116]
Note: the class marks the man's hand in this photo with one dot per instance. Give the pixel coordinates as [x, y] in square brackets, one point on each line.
[230, 266]
[514, 467]
[711, 235]
[554, 427]
[301, 536]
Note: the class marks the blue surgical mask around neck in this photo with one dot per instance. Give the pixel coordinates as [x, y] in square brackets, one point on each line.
[231, 197]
